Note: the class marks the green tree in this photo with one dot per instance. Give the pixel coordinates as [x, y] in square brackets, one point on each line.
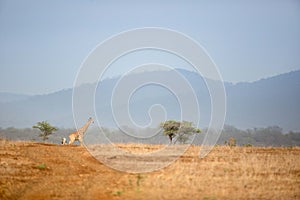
[45, 128]
[180, 131]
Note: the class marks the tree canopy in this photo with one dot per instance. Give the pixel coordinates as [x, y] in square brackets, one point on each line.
[180, 131]
[45, 128]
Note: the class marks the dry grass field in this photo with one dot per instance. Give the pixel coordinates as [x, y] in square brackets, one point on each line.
[46, 171]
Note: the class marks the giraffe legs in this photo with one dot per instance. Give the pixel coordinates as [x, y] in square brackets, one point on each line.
[72, 140]
[81, 141]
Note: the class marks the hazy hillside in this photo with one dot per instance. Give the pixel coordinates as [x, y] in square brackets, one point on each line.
[271, 101]
[10, 97]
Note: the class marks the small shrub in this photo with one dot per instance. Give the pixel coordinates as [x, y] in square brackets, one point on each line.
[231, 142]
[118, 193]
[41, 166]
[130, 182]
[209, 198]
[138, 180]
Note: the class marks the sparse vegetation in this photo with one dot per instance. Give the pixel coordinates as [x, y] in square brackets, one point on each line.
[117, 192]
[139, 179]
[250, 137]
[41, 166]
[245, 173]
[231, 142]
[209, 198]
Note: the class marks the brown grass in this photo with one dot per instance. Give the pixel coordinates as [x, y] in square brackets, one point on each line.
[44, 171]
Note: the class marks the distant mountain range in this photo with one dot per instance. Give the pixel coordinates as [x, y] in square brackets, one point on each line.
[6, 97]
[267, 102]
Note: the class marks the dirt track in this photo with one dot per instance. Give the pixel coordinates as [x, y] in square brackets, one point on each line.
[46, 171]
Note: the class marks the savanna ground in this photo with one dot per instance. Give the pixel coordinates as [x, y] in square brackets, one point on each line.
[31, 170]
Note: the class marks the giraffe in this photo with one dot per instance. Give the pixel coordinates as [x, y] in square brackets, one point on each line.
[78, 135]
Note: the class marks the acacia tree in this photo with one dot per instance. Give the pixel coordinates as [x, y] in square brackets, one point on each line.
[181, 131]
[45, 128]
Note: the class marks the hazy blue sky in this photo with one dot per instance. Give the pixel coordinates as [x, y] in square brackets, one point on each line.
[42, 43]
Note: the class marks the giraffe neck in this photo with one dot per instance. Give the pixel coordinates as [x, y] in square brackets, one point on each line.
[83, 129]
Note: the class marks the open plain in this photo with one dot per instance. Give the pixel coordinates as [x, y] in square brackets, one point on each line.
[30, 170]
